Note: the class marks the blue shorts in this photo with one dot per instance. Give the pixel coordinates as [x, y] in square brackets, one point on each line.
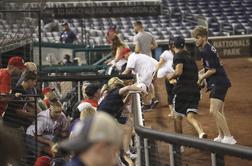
[122, 120]
[218, 92]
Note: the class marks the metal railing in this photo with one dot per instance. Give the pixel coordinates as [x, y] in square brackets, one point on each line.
[217, 150]
[82, 77]
[76, 82]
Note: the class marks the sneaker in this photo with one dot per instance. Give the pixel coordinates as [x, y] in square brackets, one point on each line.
[146, 108]
[132, 156]
[154, 103]
[228, 140]
[203, 135]
[218, 139]
[182, 149]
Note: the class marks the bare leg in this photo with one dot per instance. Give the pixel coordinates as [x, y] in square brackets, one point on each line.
[178, 124]
[147, 97]
[194, 123]
[221, 135]
[216, 107]
[219, 130]
[171, 114]
[152, 91]
[127, 133]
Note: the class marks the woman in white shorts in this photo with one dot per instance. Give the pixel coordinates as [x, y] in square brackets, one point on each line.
[164, 68]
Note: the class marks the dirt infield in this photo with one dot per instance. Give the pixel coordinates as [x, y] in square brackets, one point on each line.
[238, 111]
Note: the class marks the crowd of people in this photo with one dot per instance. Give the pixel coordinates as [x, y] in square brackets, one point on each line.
[100, 129]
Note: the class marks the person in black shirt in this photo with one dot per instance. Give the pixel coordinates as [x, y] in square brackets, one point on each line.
[114, 102]
[217, 83]
[16, 114]
[66, 60]
[186, 91]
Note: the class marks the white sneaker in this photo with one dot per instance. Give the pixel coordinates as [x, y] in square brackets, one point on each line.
[218, 139]
[203, 135]
[228, 140]
[182, 149]
[132, 156]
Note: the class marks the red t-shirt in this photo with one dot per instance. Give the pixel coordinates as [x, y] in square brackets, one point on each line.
[94, 103]
[5, 83]
[43, 161]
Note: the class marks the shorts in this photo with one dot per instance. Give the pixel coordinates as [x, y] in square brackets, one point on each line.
[122, 120]
[218, 92]
[147, 78]
[184, 103]
[164, 71]
[121, 65]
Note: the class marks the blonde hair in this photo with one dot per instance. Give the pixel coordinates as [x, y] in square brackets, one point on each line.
[31, 66]
[86, 110]
[200, 31]
[104, 88]
[114, 82]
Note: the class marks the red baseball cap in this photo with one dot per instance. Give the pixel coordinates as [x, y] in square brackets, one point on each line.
[47, 89]
[17, 62]
[42, 161]
[125, 51]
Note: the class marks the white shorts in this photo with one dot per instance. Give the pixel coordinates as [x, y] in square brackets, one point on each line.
[163, 71]
[146, 79]
[120, 64]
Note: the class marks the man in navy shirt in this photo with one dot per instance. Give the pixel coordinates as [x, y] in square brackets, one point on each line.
[217, 83]
[67, 36]
[186, 91]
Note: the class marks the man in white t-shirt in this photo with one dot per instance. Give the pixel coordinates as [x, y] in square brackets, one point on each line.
[52, 124]
[144, 66]
[144, 41]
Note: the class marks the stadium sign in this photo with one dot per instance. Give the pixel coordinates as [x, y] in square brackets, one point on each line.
[233, 47]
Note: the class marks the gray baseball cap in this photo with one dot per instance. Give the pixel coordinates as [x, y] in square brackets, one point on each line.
[98, 128]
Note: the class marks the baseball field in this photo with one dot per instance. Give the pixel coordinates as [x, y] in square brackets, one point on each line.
[238, 112]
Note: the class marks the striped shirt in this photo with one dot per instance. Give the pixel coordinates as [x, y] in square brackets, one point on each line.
[145, 40]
